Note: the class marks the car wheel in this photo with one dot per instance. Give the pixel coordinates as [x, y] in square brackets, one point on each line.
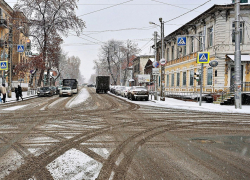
[146, 99]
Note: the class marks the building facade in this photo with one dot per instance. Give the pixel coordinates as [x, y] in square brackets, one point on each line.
[139, 64]
[13, 32]
[219, 39]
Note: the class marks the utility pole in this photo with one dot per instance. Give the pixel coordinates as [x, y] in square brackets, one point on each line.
[237, 57]
[203, 49]
[162, 57]
[10, 62]
[155, 76]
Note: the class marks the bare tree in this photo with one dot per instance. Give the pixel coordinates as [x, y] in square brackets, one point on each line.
[115, 55]
[47, 18]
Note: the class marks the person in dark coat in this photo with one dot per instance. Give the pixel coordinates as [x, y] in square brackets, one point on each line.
[20, 92]
[3, 91]
[17, 94]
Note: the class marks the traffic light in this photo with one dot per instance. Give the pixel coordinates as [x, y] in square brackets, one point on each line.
[6, 73]
[13, 69]
[28, 45]
[197, 76]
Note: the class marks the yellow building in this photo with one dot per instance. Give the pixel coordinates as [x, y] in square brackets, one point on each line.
[219, 39]
[13, 32]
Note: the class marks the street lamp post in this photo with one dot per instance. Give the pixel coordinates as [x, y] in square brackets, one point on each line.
[162, 98]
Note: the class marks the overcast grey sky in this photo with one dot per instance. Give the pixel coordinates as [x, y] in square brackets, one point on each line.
[126, 19]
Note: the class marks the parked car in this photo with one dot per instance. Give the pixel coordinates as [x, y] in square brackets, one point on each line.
[118, 90]
[115, 89]
[112, 89]
[66, 91]
[45, 91]
[125, 90]
[138, 92]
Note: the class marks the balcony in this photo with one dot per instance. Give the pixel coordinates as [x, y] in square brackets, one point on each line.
[3, 23]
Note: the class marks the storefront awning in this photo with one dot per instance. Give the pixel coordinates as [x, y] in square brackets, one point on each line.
[243, 57]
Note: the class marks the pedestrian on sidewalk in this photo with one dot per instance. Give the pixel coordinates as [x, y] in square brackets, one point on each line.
[3, 90]
[17, 94]
[20, 92]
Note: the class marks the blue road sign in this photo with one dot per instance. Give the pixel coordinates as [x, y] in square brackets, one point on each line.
[20, 48]
[181, 41]
[3, 65]
[203, 57]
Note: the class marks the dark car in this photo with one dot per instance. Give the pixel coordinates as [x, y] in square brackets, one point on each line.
[138, 93]
[45, 91]
[54, 89]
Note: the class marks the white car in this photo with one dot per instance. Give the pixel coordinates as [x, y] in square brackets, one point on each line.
[66, 91]
[124, 92]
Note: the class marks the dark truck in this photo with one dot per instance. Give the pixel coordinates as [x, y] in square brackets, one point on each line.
[102, 84]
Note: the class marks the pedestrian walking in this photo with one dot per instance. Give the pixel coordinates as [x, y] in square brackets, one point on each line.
[20, 92]
[17, 94]
[3, 90]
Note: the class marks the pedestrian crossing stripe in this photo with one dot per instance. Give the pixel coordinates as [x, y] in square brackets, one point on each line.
[203, 57]
[181, 41]
[4, 65]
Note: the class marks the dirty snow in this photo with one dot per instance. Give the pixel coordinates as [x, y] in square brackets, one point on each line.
[74, 165]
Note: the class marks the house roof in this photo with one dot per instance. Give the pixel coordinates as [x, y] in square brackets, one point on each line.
[199, 18]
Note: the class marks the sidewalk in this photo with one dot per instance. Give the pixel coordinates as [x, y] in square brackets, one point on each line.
[26, 95]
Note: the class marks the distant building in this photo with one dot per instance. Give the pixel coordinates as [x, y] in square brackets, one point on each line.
[139, 64]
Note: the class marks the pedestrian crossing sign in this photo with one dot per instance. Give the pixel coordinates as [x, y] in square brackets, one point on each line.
[3, 65]
[181, 41]
[203, 57]
[20, 48]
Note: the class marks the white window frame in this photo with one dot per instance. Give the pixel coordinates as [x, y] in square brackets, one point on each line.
[210, 36]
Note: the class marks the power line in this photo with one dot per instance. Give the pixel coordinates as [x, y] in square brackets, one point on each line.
[187, 12]
[171, 5]
[106, 8]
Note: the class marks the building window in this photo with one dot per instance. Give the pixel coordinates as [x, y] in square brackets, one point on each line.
[241, 32]
[1, 13]
[210, 36]
[191, 82]
[184, 77]
[168, 80]
[167, 54]
[209, 76]
[200, 41]
[172, 52]
[184, 51]
[178, 79]
[192, 45]
[172, 80]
